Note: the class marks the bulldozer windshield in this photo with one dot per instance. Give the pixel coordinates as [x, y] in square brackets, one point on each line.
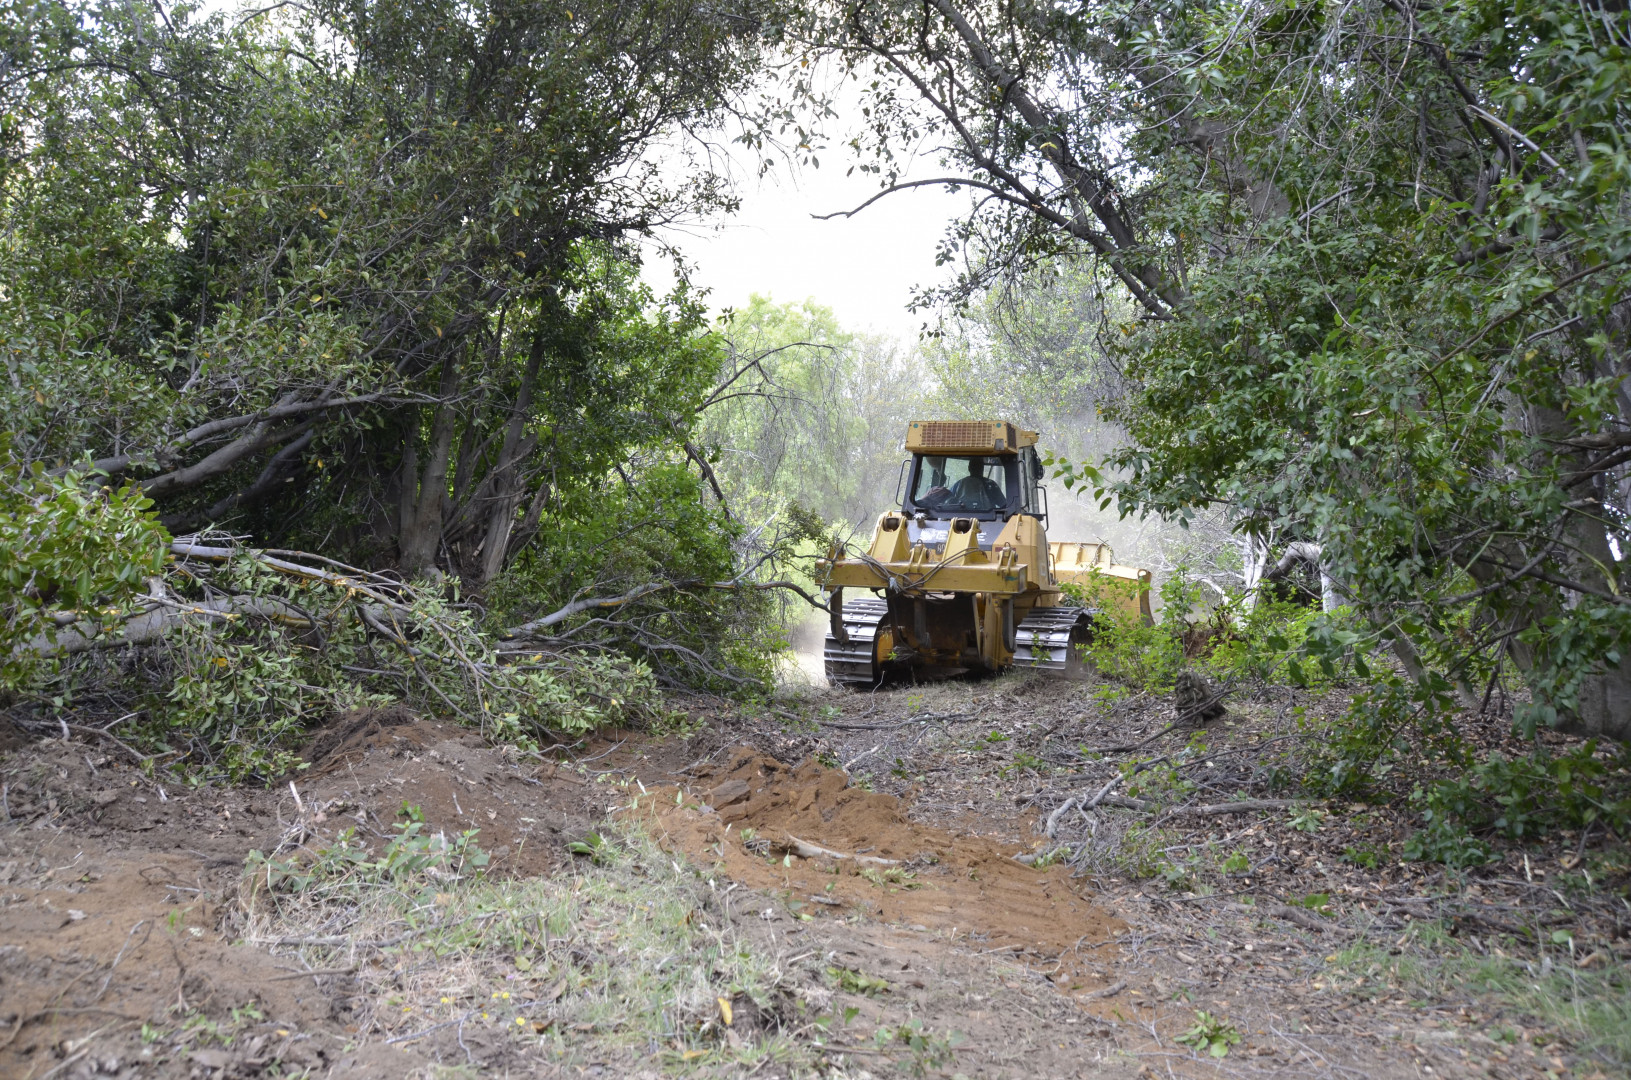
[950, 485]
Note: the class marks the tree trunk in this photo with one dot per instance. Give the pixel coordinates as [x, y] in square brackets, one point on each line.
[422, 504]
[506, 493]
[1254, 560]
[1602, 707]
[1313, 555]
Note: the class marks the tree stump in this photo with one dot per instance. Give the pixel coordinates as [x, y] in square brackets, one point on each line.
[1196, 700]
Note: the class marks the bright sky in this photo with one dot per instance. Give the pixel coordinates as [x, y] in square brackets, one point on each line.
[863, 267]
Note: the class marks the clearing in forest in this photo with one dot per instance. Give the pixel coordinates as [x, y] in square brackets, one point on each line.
[840, 884]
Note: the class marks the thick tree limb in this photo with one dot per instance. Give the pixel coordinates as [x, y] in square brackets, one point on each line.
[121, 463]
[269, 480]
[153, 625]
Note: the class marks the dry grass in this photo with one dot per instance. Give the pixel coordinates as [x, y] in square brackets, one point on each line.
[631, 957]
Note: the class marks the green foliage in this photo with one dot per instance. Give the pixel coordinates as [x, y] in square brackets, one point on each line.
[1365, 856]
[1318, 902]
[1307, 821]
[613, 538]
[1211, 1034]
[69, 547]
[599, 849]
[1267, 641]
[1177, 873]
[812, 418]
[1443, 840]
[1405, 378]
[1520, 799]
[232, 695]
[892, 878]
[1122, 646]
[930, 1052]
[356, 277]
[852, 981]
[1023, 760]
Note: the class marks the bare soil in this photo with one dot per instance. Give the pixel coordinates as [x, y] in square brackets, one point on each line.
[117, 893]
[119, 900]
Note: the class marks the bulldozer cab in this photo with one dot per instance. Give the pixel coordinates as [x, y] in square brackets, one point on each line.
[987, 486]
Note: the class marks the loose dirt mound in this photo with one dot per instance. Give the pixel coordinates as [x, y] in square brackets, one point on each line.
[748, 817]
[117, 895]
[368, 765]
[354, 733]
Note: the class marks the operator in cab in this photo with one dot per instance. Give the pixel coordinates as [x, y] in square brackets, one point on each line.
[971, 492]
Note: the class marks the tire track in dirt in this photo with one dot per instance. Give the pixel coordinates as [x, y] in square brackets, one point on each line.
[743, 819]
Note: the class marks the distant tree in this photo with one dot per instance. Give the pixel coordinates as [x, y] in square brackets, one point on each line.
[810, 413]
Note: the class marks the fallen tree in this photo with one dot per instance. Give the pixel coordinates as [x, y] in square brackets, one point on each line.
[309, 635]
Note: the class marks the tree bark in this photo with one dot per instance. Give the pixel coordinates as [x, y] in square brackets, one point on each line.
[154, 625]
[506, 490]
[421, 530]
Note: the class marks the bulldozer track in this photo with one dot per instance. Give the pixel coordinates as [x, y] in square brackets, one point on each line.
[1042, 641]
[1043, 638]
[854, 662]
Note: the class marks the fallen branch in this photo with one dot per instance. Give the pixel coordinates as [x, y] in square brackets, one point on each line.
[1244, 806]
[806, 850]
[577, 607]
[1292, 915]
[154, 624]
[1183, 719]
[313, 974]
[1109, 991]
[925, 718]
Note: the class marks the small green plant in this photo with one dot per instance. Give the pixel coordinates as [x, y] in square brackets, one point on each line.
[930, 1052]
[1445, 840]
[891, 876]
[1237, 863]
[852, 981]
[1367, 856]
[995, 737]
[1211, 1034]
[594, 845]
[347, 865]
[1317, 902]
[1050, 857]
[1023, 760]
[1307, 821]
[1177, 873]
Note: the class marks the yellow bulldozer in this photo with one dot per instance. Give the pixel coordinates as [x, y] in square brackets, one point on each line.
[963, 576]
